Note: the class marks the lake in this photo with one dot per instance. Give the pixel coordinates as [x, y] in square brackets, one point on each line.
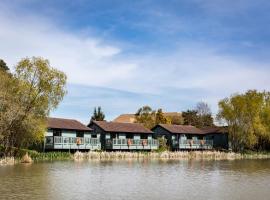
[153, 180]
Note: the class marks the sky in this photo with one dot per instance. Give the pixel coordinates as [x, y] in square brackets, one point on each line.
[124, 54]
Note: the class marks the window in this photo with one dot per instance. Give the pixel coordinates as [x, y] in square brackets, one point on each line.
[130, 136]
[144, 136]
[94, 136]
[79, 134]
[57, 132]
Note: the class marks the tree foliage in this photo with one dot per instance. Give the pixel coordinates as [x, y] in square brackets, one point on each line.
[27, 97]
[98, 115]
[149, 118]
[190, 117]
[160, 118]
[200, 117]
[248, 119]
[3, 65]
[146, 116]
[176, 120]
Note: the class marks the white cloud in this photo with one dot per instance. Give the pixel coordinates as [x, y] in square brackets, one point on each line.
[90, 61]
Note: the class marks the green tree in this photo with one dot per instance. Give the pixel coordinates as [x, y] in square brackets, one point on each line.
[146, 116]
[98, 115]
[190, 117]
[36, 89]
[160, 118]
[3, 65]
[247, 116]
[200, 117]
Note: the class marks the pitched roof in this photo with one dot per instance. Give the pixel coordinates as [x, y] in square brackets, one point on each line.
[209, 130]
[122, 127]
[130, 118]
[181, 129]
[67, 124]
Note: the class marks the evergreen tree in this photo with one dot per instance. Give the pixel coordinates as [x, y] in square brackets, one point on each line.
[199, 117]
[98, 115]
[3, 65]
[190, 117]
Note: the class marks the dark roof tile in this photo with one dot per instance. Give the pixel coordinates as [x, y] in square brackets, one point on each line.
[122, 127]
[181, 129]
[67, 124]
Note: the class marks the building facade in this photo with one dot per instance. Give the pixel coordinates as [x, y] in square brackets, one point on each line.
[185, 137]
[70, 134]
[124, 136]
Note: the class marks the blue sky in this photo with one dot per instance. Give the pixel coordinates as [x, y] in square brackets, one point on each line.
[124, 54]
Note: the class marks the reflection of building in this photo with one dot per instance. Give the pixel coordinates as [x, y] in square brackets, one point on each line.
[70, 134]
[180, 137]
[124, 136]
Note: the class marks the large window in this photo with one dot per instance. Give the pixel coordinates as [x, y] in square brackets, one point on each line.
[57, 132]
[144, 136]
[79, 134]
[130, 136]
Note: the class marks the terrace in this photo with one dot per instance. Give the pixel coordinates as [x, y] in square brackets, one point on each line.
[131, 144]
[60, 142]
[193, 144]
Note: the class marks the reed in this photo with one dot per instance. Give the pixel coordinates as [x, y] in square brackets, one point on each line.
[34, 156]
[7, 161]
[179, 155]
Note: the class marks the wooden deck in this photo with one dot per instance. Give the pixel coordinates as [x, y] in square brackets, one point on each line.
[131, 144]
[193, 144]
[58, 142]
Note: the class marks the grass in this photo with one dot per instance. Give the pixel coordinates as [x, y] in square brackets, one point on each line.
[18, 155]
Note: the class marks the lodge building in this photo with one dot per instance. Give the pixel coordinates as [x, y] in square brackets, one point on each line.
[70, 134]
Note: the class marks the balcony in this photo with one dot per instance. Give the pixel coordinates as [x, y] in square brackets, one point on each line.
[131, 144]
[193, 144]
[59, 142]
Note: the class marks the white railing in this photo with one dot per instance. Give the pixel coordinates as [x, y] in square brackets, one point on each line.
[196, 144]
[133, 142]
[49, 140]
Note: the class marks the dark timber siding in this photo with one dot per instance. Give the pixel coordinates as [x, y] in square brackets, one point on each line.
[160, 132]
[98, 130]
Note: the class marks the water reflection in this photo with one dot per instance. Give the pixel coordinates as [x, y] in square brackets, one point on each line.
[158, 179]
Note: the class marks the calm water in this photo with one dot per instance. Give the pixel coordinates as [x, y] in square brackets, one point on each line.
[125, 180]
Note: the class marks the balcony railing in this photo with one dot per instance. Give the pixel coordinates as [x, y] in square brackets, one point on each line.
[71, 142]
[195, 144]
[132, 143]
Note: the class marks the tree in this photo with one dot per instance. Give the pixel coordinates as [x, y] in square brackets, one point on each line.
[98, 115]
[160, 118]
[146, 116]
[176, 120]
[248, 119]
[36, 89]
[200, 117]
[190, 117]
[3, 65]
[204, 115]
[203, 108]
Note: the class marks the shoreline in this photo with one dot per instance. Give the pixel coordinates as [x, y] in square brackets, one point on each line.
[117, 155]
